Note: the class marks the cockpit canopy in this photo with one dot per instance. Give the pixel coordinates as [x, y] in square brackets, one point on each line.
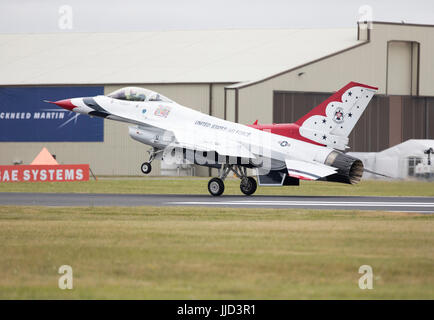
[137, 94]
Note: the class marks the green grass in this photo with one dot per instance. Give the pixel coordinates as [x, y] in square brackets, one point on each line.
[215, 253]
[199, 186]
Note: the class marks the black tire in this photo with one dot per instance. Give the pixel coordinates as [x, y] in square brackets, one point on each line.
[146, 167]
[216, 187]
[248, 186]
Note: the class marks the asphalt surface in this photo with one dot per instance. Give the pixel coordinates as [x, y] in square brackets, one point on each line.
[408, 204]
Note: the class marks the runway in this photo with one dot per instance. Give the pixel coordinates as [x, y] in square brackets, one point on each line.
[407, 204]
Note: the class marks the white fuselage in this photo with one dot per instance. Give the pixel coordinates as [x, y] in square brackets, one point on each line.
[173, 120]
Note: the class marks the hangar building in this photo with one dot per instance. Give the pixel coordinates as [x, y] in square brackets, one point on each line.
[271, 75]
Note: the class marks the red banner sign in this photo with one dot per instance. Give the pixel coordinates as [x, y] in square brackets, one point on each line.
[44, 173]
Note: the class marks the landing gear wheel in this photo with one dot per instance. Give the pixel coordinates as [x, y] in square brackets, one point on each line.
[248, 186]
[146, 167]
[216, 186]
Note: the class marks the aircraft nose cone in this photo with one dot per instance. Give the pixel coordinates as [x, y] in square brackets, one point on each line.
[65, 104]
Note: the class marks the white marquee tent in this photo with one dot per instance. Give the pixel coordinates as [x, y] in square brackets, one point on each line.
[405, 160]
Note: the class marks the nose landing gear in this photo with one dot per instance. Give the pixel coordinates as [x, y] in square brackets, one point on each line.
[146, 166]
[248, 185]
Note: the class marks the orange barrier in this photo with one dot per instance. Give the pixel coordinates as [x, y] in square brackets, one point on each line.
[44, 158]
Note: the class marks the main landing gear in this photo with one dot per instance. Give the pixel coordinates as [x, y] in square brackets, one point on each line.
[248, 185]
[146, 166]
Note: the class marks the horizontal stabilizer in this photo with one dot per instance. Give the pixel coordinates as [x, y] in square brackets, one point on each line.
[376, 173]
[307, 170]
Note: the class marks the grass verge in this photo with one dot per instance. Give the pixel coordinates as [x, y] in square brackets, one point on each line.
[232, 187]
[213, 253]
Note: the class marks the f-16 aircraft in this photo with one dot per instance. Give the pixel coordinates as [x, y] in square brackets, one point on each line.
[281, 154]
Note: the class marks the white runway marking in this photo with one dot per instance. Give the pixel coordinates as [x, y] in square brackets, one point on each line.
[401, 204]
[310, 203]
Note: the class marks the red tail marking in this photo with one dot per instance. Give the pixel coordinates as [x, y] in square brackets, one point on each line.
[337, 96]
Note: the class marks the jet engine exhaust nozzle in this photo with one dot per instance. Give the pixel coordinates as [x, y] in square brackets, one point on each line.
[350, 169]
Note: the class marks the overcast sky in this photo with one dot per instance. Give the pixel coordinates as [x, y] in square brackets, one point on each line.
[136, 15]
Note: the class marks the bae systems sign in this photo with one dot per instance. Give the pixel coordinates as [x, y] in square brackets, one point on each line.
[33, 173]
[25, 117]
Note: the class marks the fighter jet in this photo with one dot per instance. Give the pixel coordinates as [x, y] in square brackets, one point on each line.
[312, 148]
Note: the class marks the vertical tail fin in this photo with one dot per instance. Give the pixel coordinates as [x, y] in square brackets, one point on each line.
[331, 122]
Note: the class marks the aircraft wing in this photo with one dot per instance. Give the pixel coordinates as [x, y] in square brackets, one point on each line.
[193, 140]
[307, 170]
[222, 145]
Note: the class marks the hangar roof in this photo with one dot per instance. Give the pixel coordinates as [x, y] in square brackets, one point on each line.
[163, 56]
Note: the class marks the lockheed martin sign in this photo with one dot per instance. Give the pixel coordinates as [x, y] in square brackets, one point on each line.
[24, 117]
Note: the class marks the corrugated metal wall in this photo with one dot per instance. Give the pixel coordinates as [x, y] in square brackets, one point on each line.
[218, 100]
[430, 117]
[417, 118]
[291, 106]
[256, 101]
[230, 105]
[373, 131]
[366, 64]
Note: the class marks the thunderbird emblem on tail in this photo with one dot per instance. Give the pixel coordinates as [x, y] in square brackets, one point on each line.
[339, 115]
